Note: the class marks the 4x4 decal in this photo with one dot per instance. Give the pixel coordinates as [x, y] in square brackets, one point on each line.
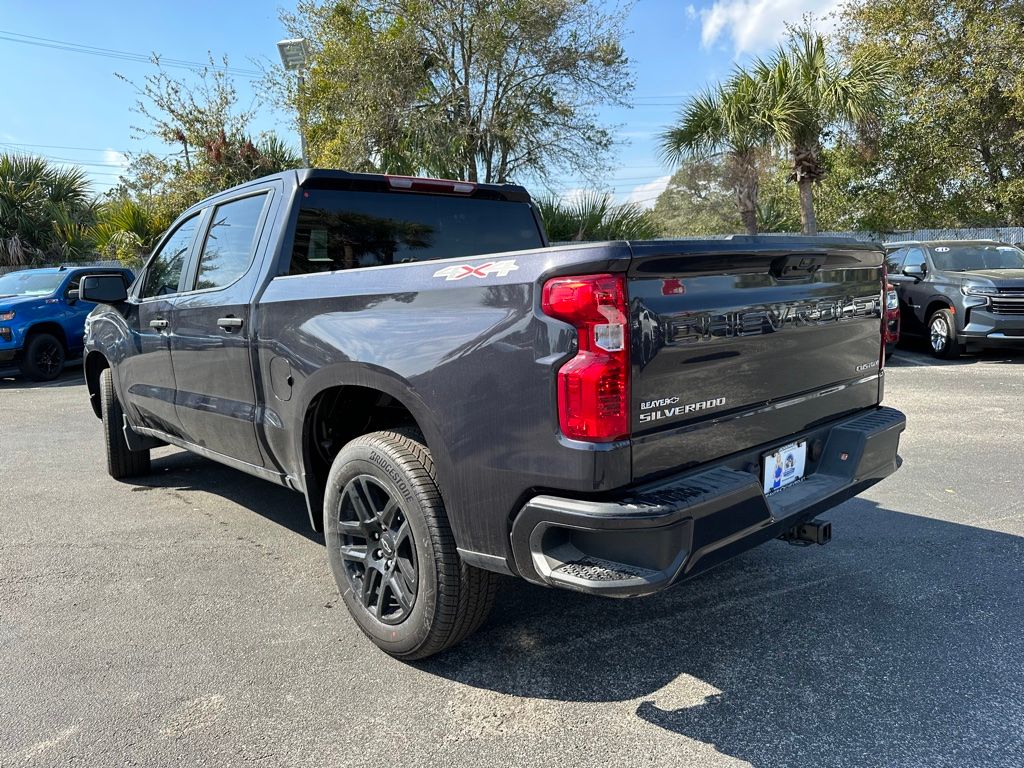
[459, 271]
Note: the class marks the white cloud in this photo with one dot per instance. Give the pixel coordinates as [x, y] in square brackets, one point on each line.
[756, 25]
[574, 195]
[646, 195]
[114, 158]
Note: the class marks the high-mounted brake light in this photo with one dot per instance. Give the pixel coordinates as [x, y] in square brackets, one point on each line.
[416, 184]
[593, 387]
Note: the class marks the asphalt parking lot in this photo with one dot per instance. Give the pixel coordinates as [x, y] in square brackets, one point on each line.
[190, 620]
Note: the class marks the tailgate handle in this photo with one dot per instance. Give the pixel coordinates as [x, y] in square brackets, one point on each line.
[796, 266]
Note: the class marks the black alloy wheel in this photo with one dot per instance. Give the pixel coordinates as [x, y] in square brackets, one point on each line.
[378, 550]
[44, 358]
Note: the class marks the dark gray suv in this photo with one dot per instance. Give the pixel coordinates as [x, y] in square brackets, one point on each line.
[959, 294]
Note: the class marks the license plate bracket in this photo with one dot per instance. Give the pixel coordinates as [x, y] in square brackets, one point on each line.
[783, 466]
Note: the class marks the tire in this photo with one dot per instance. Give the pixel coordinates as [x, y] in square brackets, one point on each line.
[942, 338]
[392, 551]
[122, 462]
[43, 358]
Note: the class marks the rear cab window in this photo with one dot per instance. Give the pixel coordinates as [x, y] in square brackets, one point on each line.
[349, 229]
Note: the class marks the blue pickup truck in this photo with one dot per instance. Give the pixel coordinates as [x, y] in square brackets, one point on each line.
[42, 320]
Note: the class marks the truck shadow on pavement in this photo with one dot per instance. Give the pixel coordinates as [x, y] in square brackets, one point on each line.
[184, 471]
[899, 643]
[11, 378]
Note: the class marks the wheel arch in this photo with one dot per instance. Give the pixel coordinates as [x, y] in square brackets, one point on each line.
[51, 327]
[94, 365]
[380, 400]
[935, 304]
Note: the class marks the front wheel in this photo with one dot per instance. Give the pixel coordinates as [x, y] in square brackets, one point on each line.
[942, 335]
[122, 461]
[392, 552]
[43, 358]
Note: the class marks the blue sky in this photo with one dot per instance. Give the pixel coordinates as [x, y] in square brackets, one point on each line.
[70, 107]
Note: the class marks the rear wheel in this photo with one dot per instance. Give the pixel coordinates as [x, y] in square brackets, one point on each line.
[942, 335]
[121, 460]
[392, 551]
[43, 358]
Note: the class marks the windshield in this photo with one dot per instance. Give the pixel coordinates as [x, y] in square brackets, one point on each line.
[30, 283]
[960, 258]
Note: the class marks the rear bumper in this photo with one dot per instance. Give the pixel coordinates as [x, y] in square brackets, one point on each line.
[649, 537]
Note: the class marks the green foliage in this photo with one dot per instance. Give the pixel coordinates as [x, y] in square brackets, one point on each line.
[458, 88]
[208, 136]
[46, 211]
[697, 201]
[593, 216]
[732, 122]
[778, 206]
[127, 230]
[948, 151]
[812, 94]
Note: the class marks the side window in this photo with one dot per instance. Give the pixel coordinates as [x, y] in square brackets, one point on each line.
[230, 243]
[164, 270]
[915, 257]
[894, 261]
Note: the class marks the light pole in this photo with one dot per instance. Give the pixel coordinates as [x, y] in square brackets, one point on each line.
[294, 55]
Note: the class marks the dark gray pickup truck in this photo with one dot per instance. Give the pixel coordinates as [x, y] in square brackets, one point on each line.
[456, 399]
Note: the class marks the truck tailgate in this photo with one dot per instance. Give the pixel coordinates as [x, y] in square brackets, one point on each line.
[759, 338]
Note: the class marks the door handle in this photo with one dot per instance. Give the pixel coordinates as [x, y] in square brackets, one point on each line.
[230, 323]
[158, 324]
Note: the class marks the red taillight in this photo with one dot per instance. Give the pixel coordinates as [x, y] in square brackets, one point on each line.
[593, 387]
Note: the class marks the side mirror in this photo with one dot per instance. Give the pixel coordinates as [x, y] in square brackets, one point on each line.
[103, 289]
[71, 297]
[915, 271]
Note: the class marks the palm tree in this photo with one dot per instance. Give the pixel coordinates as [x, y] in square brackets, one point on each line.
[128, 230]
[733, 121]
[46, 211]
[812, 94]
[593, 216]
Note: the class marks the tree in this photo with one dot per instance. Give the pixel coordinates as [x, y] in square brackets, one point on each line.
[949, 147]
[812, 94]
[210, 146]
[697, 201]
[487, 92]
[127, 230]
[46, 211]
[593, 216]
[732, 122]
[778, 209]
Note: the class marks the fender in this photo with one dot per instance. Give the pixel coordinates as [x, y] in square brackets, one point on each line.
[371, 377]
[938, 298]
[108, 334]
